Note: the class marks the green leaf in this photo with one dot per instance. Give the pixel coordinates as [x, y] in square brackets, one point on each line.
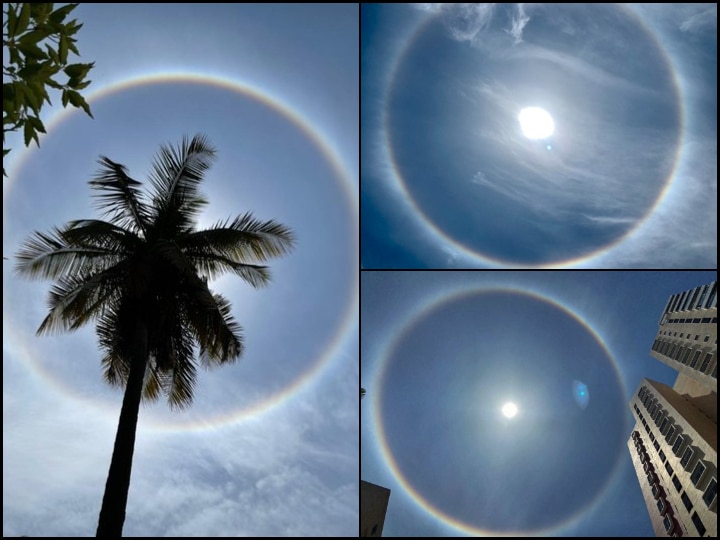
[59, 14]
[81, 86]
[77, 71]
[76, 100]
[52, 53]
[19, 94]
[31, 38]
[72, 47]
[6, 152]
[36, 124]
[30, 70]
[33, 100]
[14, 55]
[52, 83]
[12, 19]
[72, 27]
[65, 98]
[30, 134]
[8, 92]
[23, 20]
[63, 49]
[31, 51]
[40, 12]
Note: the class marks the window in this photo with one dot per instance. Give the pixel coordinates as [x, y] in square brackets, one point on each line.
[706, 320]
[663, 425]
[676, 483]
[697, 473]
[707, 338]
[668, 523]
[695, 358]
[661, 506]
[686, 501]
[697, 336]
[710, 493]
[682, 335]
[706, 362]
[652, 437]
[678, 352]
[677, 445]
[687, 355]
[655, 491]
[656, 445]
[698, 524]
[668, 468]
[670, 433]
[662, 456]
[687, 456]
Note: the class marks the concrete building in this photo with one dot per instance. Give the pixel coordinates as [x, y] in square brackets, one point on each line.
[674, 443]
[373, 506]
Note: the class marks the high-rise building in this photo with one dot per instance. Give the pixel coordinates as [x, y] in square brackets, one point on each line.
[674, 443]
[373, 506]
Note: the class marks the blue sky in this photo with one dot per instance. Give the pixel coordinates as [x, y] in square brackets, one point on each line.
[455, 346]
[626, 180]
[270, 445]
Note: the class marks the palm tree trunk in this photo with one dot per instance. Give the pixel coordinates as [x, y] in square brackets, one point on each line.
[112, 513]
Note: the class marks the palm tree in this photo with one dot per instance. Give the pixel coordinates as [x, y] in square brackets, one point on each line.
[142, 277]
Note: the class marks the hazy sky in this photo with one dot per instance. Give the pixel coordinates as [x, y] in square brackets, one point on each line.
[443, 351]
[271, 445]
[626, 180]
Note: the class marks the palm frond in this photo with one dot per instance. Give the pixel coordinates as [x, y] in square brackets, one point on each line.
[76, 299]
[178, 171]
[51, 255]
[213, 326]
[95, 232]
[244, 239]
[213, 266]
[184, 375]
[119, 195]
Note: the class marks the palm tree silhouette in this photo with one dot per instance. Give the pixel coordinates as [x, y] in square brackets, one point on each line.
[142, 277]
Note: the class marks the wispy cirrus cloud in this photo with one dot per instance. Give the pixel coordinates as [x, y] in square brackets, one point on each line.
[468, 22]
[704, 17]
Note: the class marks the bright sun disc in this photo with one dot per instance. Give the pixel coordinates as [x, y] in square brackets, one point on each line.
[536, 123]
[509, 409]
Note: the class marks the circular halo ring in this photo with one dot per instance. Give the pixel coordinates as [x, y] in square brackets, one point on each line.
[423, 220]
[347, 322]
[384, 449]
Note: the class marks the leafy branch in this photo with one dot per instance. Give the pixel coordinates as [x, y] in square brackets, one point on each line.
[36, 45]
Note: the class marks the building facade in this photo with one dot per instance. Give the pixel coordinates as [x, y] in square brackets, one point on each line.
[373, 506]
[673, 446]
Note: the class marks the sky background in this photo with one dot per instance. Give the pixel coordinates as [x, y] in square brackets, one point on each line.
[558, 468]
[270, 447]
[447, 174]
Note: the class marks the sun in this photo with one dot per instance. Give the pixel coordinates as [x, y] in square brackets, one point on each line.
[509, 410]
[536, 123]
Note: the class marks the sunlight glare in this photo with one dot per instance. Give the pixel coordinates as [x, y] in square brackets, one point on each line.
[509, 409]
[536, 123]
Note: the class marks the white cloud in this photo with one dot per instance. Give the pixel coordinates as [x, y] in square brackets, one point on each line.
[519, 20]
[704, 19]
